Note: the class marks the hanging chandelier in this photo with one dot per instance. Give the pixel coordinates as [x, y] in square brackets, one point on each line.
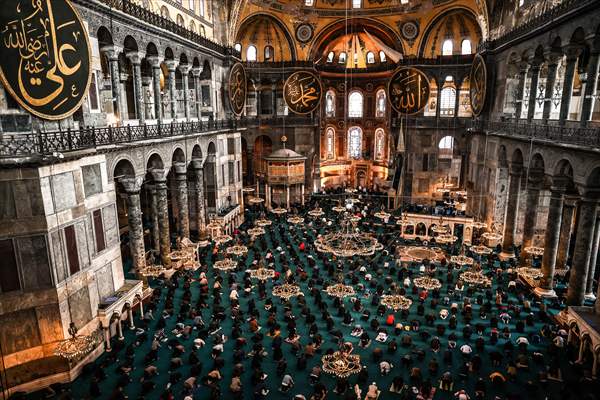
[440, 228]
[534, 251]
[248, 190]
[279, 211]
[339, 209]
[214, 225]
[262, 273]
[237, 250]
[530, 273]
[446, 238]
[461, 260]
[426, 282]
[286, 291]
[340, 290]
[396, 302]
[221, 239]
[420, 253]
[480, 250]
[317, 212]
[295, 219]
[341, 364]
[348, 241]
[475, 278]
[76, 346]
[383, 215]
[226, 264]
[262, 222]
[151, 271]
[255, 200]
[257, 231]
[479, 225]
[492, 236]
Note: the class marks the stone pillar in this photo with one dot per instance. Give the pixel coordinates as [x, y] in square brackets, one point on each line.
[531, 207]
[156, 71]
[138, 94]
[274, 99]
[590, 88]
[551, 241]
[582, 252]
[287, 192]
[160, 184]
[550, 82]
[196, 71]
[589, 292]
[115, 79]
[520, 89]
[181, 196]
[141, 303]
[120, 329]
[572, 54]
[302, 193]
[106, 331]
[534, 75]
[148, 100]
[185, 71]
[458, 84]
[512, 205]
[565, 233]
[198, 190]
[268, 196]
[171, 67]
[440, 85]
[134, 219]
[130, 318]
[155, 229]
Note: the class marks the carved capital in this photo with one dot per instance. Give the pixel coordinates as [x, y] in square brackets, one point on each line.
[154, 61]
[159, 175]
[180, 168]
[171, 65]
[134, 57]
[132, 185]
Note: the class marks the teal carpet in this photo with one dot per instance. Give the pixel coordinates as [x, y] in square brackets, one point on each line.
[280, 234]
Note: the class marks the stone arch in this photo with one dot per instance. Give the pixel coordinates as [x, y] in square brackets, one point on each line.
[454, 21]
[421, 229]
[517, 157]
[154, 160]
[502, 158]
[178, 154]
[130, 44]
[151, 49]
[197, 152]
[169, 55]
[104, 36]
[123, 168]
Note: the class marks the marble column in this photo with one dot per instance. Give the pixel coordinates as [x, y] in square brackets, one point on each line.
[196, 71]
[181, 196]
[520, 89]
[440, 86]
[551, 240]
[458, 84]
[156, 71]
[132, 188]
[185, 71]
[287, 197]
[115, 79]
[512, 205]
[589, 292]
[572, 54]
[550, 82]
[120, 329]
[582, 252]
[155, 229]
[566, 228]
[534, 75]
[590, 88]
[148, 100]
[138, 94]
[106, 331]
[171, 67]
[160, 183]
[130, 318]
[274, 99]
[198, 190]
[531, 208]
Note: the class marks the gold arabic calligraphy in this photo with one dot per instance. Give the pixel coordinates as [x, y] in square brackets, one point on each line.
[47, 55]
[237, 89]
[408, 90]
[478, 85]
[302, 92]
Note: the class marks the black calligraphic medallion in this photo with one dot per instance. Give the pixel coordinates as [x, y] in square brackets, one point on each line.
[46, 59]
[302, 92]
[237, 88]
[478, 82]
[408, 90]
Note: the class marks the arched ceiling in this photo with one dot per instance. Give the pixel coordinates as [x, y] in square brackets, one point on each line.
[456, 25]
[410, 22]
[263, 30]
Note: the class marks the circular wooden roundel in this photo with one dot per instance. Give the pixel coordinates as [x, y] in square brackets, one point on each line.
[478, 82]
[302, 92]
[408, 90]
[237, 88]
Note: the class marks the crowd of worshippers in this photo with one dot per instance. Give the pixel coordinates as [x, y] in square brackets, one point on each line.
[435, 318]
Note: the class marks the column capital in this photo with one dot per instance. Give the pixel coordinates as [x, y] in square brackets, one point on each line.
[196, 71]
[135, 57]
[197, 164]
[171, 65]
[560, 183]
[516, 169]
[572, 52]
[154, 61]
[132, 185]
[180, 168]
[159, 175]
[523, 66]
[552, 56]
[111, 51]
[184, 68]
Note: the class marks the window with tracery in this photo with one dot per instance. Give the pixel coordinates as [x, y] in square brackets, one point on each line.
[330, 144]
[447, 48]
[355, 142]
[381, 104]
[330, 104]
[251, 53]
[379, 144]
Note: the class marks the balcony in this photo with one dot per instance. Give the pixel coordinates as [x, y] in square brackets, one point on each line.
[572, 135]
[432, 123]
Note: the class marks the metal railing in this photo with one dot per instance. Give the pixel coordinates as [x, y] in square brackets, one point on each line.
[575, 135]
[152, 18]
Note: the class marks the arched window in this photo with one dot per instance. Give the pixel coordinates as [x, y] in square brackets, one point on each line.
[370, 58]
[330, 57]
[269, 53]
[202, 8]
[342, 59]
[382, 56]
[192, 26]
[251, 53]
[446, 143]
[447, 48]
[164, 12]
[330, 104]
[309, 3]
[381, 103]
[356, 3]
[238, 47]
[379, 144]
[330, 144]
[355, 105]
[202, 31]
[466, 47]
[448, 101]
[180, 20]
[355, 142]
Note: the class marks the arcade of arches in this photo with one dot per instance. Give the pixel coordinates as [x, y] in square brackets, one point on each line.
[340, 231]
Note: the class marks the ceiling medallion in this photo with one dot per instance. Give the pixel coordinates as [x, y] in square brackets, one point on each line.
[410, 31]
[304, 33]
[478, 79]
